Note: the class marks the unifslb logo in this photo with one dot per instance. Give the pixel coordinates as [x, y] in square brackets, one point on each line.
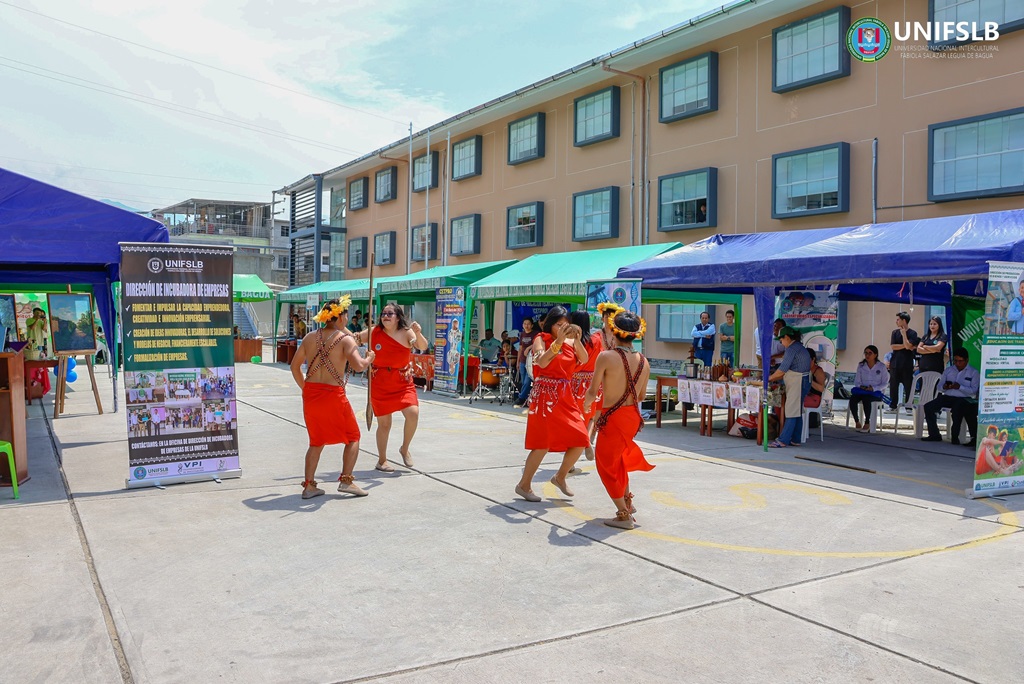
[868, 39]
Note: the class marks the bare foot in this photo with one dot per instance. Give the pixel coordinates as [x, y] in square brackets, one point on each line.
[406, 457]
[562, 486]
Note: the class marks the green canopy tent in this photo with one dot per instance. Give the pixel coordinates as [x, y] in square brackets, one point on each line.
[250, 288]
[563, 276]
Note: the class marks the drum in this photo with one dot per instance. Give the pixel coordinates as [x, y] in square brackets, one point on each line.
[490, 376]
[529, 365]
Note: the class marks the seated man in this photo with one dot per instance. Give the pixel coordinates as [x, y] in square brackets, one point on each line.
[959, 394]
[489, 347]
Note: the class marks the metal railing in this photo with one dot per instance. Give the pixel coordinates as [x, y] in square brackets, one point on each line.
[264, 230]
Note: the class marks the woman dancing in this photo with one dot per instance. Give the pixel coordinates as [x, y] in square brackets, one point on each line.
[555, 421]
[584, 374]
[392, 388]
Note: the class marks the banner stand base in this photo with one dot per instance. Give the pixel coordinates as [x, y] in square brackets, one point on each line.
[992, 493]
[180, 479]
[445, 393]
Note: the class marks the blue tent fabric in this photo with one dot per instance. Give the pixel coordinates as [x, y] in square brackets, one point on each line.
[51, 235]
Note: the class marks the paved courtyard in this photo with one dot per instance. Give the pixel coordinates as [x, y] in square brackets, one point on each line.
[746, 567]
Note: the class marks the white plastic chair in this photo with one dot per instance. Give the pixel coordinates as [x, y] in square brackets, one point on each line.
[929, 390]
[876, 411]
[821, 423]
[922, 390]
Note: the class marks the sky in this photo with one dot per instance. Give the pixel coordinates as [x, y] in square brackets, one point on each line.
[149, 103]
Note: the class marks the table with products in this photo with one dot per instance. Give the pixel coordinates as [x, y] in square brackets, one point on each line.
[708, 395]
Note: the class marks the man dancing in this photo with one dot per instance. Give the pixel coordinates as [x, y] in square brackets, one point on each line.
[623, 373]
[329, 416]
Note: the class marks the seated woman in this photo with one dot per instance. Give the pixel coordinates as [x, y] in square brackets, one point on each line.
[872, 379]
[818, 380]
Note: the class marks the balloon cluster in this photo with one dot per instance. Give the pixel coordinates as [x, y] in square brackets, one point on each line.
[72, 375]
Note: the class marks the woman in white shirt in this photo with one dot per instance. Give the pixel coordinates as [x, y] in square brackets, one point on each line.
[872, 379]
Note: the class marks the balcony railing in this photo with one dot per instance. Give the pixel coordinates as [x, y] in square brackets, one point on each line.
[264, 230]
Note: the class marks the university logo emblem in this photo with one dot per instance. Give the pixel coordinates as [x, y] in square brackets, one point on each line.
[140, 473]
[868, 39]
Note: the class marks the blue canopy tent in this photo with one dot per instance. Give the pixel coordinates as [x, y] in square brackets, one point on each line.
[50, 235]
[921, 261]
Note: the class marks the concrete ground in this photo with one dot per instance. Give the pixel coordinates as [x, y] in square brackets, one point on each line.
[746, 567]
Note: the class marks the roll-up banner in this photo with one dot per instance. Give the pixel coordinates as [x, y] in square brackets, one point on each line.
[999, 460]
[179, 363]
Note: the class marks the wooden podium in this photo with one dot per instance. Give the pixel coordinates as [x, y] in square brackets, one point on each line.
[13, 416]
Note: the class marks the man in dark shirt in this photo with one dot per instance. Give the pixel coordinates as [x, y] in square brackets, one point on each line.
[904, 341]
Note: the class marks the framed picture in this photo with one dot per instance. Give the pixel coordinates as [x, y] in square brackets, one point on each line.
[71, 323]
[8, 320]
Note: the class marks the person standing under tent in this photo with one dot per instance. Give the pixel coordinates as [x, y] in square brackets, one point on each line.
[38, 335]
[727, 334]
[392, 388]
[525, 344]
[932, 348]
[703, 335]
[904, 341]
[555, 420]
[325, 407]
[794, 371]
[624, 373]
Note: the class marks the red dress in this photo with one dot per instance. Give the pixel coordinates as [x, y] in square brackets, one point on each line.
[392, 388]
[555, 421]
[584, 375]
[325, 408]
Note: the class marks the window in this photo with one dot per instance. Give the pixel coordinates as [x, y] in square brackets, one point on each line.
[982, 156]
[676, 321]
[384, 248]
[597, 117]
[424, 242]
[424, 172]
[689, 88]
[811, 50]
[386, 185]
[595, 214]
[282, 262]
[465, 235]
[525, 225]
[467, 158]
[1009, 14]
[357, 191]
[357, 253]
[285, 230]
[688, 200]
[811, 181]
[526, 139]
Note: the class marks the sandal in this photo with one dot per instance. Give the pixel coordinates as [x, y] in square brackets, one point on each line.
[777, 445]
[384, 467]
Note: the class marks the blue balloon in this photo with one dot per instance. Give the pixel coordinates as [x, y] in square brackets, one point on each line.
[54, 371]
[72, 363]
[72, 376]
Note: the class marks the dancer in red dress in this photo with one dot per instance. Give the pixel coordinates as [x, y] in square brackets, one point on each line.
[595, 343]
[623, 373]
[555, 421]
[392, 388]
[328, 414]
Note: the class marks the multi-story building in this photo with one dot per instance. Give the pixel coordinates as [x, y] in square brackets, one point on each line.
[753, 117]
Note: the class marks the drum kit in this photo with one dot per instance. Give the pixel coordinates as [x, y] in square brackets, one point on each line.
[496, 383]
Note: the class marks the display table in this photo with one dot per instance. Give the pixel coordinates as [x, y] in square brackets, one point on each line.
[246, 349]
[286, 350]
[13, 416]
[671, 382]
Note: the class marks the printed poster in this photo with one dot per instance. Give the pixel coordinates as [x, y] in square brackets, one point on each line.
[706, 393]
[736, 399]
[684, 391]
[814, 313]
[999, 461]
[752, 399]
[176, 309]
[449, 327]
[721, 397]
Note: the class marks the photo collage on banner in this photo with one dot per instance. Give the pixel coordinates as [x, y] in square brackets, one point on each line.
[625, 293]
[179, 378]
[815, 314]
[449, 327]
[999, 461]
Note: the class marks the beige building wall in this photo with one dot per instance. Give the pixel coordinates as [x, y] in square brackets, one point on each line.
[893, 100]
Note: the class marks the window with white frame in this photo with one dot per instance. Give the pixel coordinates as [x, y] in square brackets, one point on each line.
[467, 158]
[676, 321]
[465, 235]
[595, 214]
[357, 194]
[525, 225]
[811, 181]
[424, 172]
[526, 139]
[597, 116]
[424, 242]
[982, 156]
[1009, 14]
[386, 185]
[810, 51]
[689, 88]
[384, 248]
[688, 199]
[357, 253]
